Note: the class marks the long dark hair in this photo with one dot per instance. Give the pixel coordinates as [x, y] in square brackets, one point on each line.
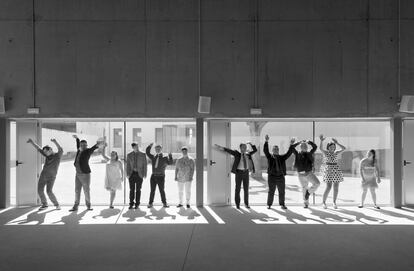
[374, 156]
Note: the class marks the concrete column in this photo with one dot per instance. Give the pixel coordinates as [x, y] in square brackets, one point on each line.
[200, 162]
[397, 165]
[4, 163]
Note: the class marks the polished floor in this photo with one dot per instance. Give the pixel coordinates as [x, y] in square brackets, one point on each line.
[209, 238]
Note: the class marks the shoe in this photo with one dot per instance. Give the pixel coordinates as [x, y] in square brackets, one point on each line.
[131, 206]
[57, 207]
[247, 206]
[283, 207]
[179, 205]
[136, 206]
[269, 206]
[188, 206]
[43, 207]
[165, 205]
[150, 205]
[360, 206]
[74, 209]
[306, 206]
[238, 206]
[324, 206]
[111, 207]
[335, 206]
[89, 208]
[307, 194]
[377, 207]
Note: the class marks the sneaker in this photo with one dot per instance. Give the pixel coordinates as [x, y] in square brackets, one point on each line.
[335, 206]
[89, 208]
[111, 207]
[188, 205]
[247, 206]
[74, 209]
[131, 206]
[377, 207]
[307, 194]
[150, 205]
[324, 205]
[165, 205]
[306, 206]
[269, 206]
[57, 207]
[360, 206]
[43, 207]
[179, 205]
[283, 207]
[136, 206]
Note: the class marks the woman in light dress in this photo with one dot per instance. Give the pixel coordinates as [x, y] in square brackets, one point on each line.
[370, 177]
[113, 176]
[331, 171]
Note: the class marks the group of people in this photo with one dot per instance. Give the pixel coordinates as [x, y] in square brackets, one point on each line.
[304, 165]
[136, 172]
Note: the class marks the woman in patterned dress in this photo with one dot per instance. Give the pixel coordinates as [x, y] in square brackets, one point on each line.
[331, 171]
[370, 177]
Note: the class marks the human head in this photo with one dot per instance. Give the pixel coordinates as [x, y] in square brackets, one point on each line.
[303, 147]
[47, 150]
[371, 154]
[184, 150]
[83, 145]
[275, 150]
[243, 147]
[114, 156]
[134, 146]
[158, 148]
[331, 147]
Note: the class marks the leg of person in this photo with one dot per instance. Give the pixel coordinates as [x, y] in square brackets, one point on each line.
[161, 187]
[78, 189]
[113, 193]
[314, 181]
[187, 186]
[335, 193]
[50, 194]
[364, 194]
[304, 183]
[41, 192]
[280, 183]
[86, 185]
[180, 193]
[374, 197]
[246, 189]
[326, 193]
[271, 193]
[132, 183]
[237, 189]
[138, 193]
[153, 184]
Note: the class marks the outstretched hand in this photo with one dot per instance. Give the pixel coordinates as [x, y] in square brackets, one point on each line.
[267, 137]
[29, 140]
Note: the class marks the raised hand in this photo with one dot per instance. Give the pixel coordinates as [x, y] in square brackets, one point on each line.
[321, 137]
[75, 136]
[152, 144]
[334, 140]
[29, 140]
[292, 141]
[53, 140]
[267, 137]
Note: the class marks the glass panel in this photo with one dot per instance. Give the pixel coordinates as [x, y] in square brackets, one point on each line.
[13, 155]
[280, 134]
[358, 138]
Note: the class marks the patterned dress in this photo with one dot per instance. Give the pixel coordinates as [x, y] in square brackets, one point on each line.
[370, 176]
[331, 171]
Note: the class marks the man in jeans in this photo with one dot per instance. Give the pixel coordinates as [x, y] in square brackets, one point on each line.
[83, 172]
[48, 175]
[304, 166]
[159, 164]
[136, 172]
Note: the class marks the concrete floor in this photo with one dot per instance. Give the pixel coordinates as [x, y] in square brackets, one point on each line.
[216, 238]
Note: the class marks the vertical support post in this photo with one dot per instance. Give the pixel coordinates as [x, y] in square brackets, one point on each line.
[397, 164]
[200, 162]
[4, 163]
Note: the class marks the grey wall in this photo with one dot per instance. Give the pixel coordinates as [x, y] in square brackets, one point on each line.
[150, 58]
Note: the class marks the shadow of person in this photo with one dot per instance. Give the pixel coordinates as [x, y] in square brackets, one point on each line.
[261, 216]
[107, 213]
[133, 214]
[330, 216]
[394, 214]
[37, 216]
[361, 216]
[293, 187]
[73, 218]
[190, 213]
[294, 217]
[159, 214]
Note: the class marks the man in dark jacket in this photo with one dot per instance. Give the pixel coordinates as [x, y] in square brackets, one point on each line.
[243, 163]
[276, 171]
[83, 172]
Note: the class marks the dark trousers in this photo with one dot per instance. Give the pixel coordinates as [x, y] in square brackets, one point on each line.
[160, 181]
[242, 177]
[273, 182]
[135, 184]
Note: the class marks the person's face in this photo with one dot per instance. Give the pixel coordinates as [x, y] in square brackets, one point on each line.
[135, 148]
[243, 148]
[275, 150]
[304, 147]
[113, 156]
[158, 149]
[332, 148]
[48, 152]
[370, 155]
[185, 152]
[83, 146]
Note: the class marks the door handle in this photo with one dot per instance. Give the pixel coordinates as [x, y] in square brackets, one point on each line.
[18, 163]
[406, 162]
[212, 162]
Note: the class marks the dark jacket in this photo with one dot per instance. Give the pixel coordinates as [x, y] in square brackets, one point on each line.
[304, 160]
[237, 157]
[84, 157]
[272, 160]
[163, 161]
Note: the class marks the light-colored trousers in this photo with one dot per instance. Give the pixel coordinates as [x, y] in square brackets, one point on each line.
[82, 181]
[305, 179]
[187, 187]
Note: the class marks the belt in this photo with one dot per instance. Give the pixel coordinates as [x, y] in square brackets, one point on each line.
[241, 170]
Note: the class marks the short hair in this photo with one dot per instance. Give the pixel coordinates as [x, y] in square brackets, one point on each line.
[158, 145]
[134, 144]
[184, 148]
[241, 144]
[329, 145]
[46, 148]
[83, 141]
[117, 157]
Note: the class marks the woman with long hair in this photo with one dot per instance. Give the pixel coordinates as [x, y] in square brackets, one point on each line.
[113, 176]
[368, 168]
[331, 171]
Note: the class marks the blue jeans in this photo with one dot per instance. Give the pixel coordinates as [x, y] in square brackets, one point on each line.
[48, 182]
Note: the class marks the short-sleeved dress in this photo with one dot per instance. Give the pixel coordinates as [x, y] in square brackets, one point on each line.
[331, 171]
[113, 176]
[370, 174]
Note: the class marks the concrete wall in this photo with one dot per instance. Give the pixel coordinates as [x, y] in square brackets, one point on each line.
[152, 58]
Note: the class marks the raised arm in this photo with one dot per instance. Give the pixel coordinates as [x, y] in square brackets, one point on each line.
[104, 156]
[254, 149]
[170, 159]
[148, 151]
[221, 148]
[266, 147]
[77, 141]
[340, 145]
[37, 147]
[290, 150]
[322, 138]
[314, 147]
